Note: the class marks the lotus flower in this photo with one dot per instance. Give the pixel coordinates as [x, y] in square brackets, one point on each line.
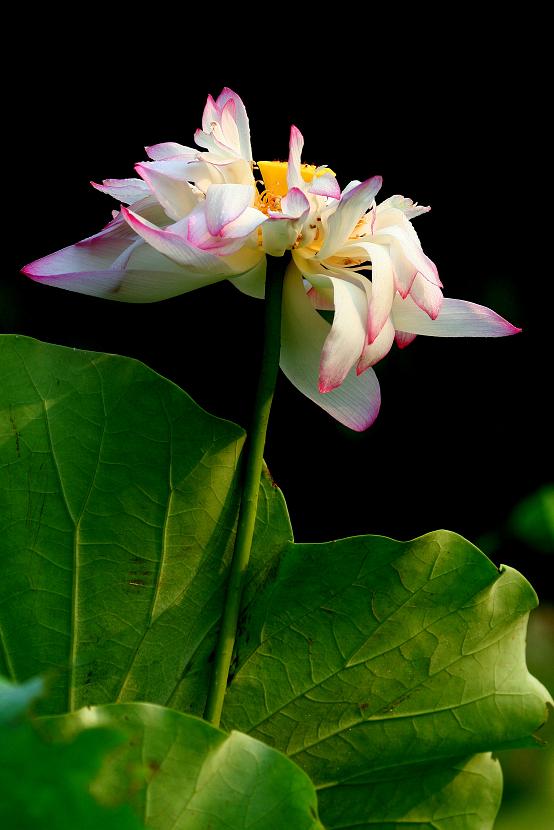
[196, 217]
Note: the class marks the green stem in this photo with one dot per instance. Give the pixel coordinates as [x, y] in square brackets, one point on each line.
[249, 502]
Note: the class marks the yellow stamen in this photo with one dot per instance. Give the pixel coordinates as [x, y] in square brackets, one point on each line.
[275, 175]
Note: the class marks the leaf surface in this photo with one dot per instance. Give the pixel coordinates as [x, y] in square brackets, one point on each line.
[190, 776]
[118, 504]
[47, 781]
[386, 670]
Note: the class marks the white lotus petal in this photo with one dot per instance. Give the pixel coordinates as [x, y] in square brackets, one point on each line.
[252, 282]
[124, 190]
[427, 296]
[139, 275]
[352, 206]
[407, 239]
[176, 197]
[457, 318]
[356, 402]
[244, 225]
[278, 235]
[294, 205]
[172, 243]
[241, 120]
[376, 351]
[170, 149]
[382, 289]
[404, 338]
[226, 202]
[348, 335]
[326, 185]
[409, 208]
[296, 144]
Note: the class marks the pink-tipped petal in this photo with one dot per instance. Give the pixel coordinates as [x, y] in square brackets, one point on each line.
[199, 235]
[215, 144]
[325, 185]
[106, 284]
[174, 245]
[176, 197]
[382, 290]
[407, 240]
[404, 271]
[427, 296]
[294, 205]
[346, 340]
[98, 251]
[241, 119]
[404, 338]
[376, 351]
[229, 125]
[177, 168]
[457, 318]
[210, 115]
[352, 206]
[95, 253]
[170, 149]
[138, 275]
[225, 203]
[124, 190]
[356, 402]
[201, 173]
[198, 232]
[296, 145]
[350, 187]
[244, 225]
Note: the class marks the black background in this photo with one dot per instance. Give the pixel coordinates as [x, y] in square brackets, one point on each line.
[454, 121]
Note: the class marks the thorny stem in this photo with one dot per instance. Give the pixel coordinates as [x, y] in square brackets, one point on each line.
[251, 485]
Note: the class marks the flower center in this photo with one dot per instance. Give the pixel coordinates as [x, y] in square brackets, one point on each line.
[274, 174]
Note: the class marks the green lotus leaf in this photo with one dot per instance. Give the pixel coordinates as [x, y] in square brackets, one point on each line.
[386, 670]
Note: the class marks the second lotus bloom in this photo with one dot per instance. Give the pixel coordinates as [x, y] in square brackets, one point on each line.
[197, 217]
